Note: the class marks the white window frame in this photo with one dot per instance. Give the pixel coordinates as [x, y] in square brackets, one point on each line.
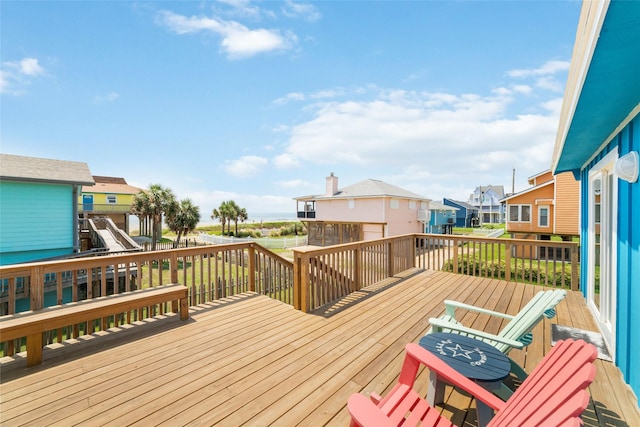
[540, 208]
[394, 204]
[352, 203]
[519, 207]
[112, 199]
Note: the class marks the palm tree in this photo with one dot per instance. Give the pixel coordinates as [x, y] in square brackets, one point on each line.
[219, 215]
[184, 219]
[224, 214]
[241, 216]
[159, 201]
[140, 208]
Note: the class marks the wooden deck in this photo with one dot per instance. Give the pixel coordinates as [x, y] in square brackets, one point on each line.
[251, 360]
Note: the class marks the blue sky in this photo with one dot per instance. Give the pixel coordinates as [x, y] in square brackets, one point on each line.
[259, 101]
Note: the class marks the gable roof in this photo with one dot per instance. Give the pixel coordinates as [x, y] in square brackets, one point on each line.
[109, 184]
[33, 169]
[498, 189]
[528, 190]
[366, 189]
[462, 204]
[433, 205]
[603, 88]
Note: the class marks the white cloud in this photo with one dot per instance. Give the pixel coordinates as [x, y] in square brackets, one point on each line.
[110, 97]
[245, 166]
[294, 183]
[15, 75]
[30, 67]
[293, 96]
[238, 41]
[548, 68]
[286, 160]
[295, 9]
[428, 134]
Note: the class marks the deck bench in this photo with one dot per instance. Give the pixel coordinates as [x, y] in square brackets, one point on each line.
[32, 324]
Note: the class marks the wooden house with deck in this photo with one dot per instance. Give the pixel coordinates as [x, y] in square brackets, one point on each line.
[598, 140]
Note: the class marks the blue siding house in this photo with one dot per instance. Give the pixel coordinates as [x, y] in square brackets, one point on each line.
[38, 207]
[598, 140]
[466, 214]
[442, 218]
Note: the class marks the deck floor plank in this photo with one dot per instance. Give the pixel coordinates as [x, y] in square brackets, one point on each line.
[250, 360]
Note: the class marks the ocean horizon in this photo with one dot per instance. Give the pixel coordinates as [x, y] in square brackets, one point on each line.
[259, 217]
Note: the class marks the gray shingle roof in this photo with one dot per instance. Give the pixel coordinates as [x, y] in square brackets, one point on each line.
[373, 188]
[20, 168]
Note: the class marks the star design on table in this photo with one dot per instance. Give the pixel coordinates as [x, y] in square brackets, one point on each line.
[459, 351]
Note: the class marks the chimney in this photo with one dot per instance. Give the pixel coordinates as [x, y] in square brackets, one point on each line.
[332, 184]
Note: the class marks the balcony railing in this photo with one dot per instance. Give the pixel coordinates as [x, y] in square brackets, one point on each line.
[316, 278]
[307, 214]
[326, 275]
[103, 208]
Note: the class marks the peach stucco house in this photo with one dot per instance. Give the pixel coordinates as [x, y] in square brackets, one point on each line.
[370, 209]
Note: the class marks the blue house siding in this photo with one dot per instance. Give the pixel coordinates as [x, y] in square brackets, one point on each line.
[36, 221]
[463, 215]
[628, 256]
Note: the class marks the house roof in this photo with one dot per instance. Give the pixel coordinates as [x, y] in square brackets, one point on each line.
[112, 185]
[437, 206]
[498, 189]
[603, 88]
[20, 168]
[366, 189]
[528, 190]
[462, 204]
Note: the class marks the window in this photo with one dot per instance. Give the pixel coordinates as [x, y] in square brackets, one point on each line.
[395, 204]
[412, 204]
[352, 203]
[543, 216]
[111, 199]
[514, 213]
[519, 213]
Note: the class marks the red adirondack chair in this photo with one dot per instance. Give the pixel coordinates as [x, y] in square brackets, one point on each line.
[554, 394]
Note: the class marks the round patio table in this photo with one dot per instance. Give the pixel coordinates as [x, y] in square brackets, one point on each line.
[474, 359]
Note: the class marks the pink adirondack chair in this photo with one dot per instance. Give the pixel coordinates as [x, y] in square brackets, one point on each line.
[554, 394]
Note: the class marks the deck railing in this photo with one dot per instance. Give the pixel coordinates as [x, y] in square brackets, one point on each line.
[324, 275]
[317, 276]
[210, 273]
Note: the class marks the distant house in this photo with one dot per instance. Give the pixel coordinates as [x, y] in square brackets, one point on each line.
[110, 197]
[38, 207]
[466, 214]
[548, 208]
[442, 218]
[368, 210]
[487, 200]
[598, 140]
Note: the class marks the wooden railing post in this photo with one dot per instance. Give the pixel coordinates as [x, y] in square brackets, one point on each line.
[575, 275]
[174, 267]
[456, 250]
[252, 268]
[507, 261]
[357, 273]
[390, 255]
[301, 281]
[36, 288]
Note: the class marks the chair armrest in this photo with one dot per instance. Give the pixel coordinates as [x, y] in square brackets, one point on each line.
[365, 413]
[451, 306]
[439, 325]
[453, 377]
